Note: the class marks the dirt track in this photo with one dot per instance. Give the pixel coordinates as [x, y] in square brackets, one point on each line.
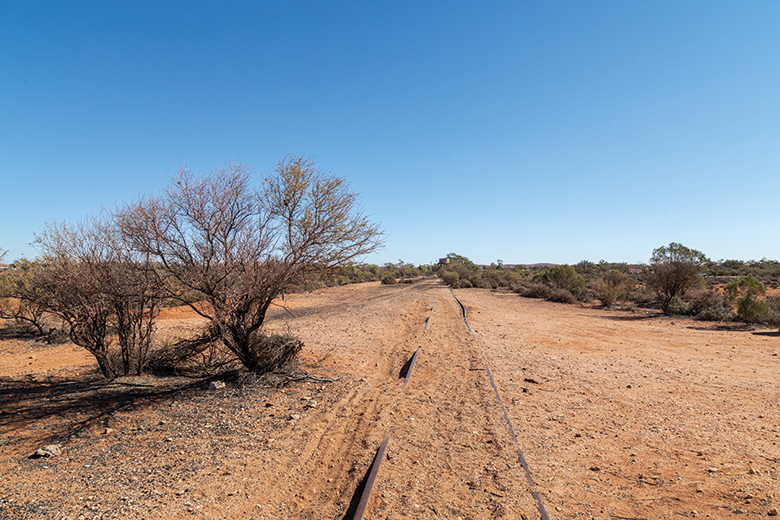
[618, 415]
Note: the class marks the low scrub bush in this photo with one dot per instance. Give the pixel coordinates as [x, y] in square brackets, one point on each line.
[710, 305]
[773, 318]
[610, 288]
[642, 296]
[677, 307]
[275, 351]
[561, 296]
[389, 279]
[565, 277]
[752, 311]
[451, 278]
[715, 312]
[533, 290]
[746, 290]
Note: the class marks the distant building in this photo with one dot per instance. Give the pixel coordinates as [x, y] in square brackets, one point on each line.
[444, 261]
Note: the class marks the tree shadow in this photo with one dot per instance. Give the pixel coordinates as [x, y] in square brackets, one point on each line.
[69, 406]
[633, 317]
[21, 332]
[768, 333]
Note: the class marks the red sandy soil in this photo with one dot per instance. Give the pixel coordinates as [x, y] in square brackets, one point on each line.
[619, 415]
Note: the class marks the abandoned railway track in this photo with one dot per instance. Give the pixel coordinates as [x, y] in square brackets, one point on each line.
[407, 372]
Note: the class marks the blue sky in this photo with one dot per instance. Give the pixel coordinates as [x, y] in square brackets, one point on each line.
[522, 131]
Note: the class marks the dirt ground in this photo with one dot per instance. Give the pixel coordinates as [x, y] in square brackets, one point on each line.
[619, 415]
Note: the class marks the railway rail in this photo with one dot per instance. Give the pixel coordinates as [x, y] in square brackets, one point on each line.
[407, 373]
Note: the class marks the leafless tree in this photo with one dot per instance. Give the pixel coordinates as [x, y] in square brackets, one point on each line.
[228, 249]
[107, 294]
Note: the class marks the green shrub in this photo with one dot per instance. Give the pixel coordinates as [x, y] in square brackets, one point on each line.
[451, 278]
[746, 289]
[566, 278]
[389, 279]
[610, 288]
[773, 318]
[751, 310]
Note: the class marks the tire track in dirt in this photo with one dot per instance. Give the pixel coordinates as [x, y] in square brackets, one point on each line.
[336, 440]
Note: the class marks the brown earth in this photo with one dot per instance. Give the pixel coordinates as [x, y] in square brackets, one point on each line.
[619, 415]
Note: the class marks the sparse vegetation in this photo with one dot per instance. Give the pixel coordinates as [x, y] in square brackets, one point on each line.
[233, 249]
[108, 295]
[745, 290]
[674, 270]
[611, 287]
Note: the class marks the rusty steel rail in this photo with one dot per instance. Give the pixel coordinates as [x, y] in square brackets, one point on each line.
[428, 319]
[366, 496]
[536, 496]
[411, 368]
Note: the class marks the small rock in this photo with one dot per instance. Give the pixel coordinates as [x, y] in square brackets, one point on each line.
[312, 404]
[109, 431]
[712, 470]
[595, 468]
[52, 450]
[216, 385]
[694, 513]
[752, 471]
[294, 417]
[772, 512]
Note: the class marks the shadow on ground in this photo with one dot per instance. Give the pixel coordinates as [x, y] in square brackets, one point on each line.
[76, 404]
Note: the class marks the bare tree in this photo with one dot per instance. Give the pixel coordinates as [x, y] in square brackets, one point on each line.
[21, 299]
[228, 249]
[107, 294]
[675, 269]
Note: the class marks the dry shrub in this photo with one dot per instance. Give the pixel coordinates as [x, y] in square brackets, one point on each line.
[533, 290]
[643, 296]
[275, 351]
[562, 296]
[389, 279]
[206, 353]
[451, 278]
[710, 305]
[773, 302]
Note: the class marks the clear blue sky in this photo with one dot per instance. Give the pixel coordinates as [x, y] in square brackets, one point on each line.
[523, 131]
